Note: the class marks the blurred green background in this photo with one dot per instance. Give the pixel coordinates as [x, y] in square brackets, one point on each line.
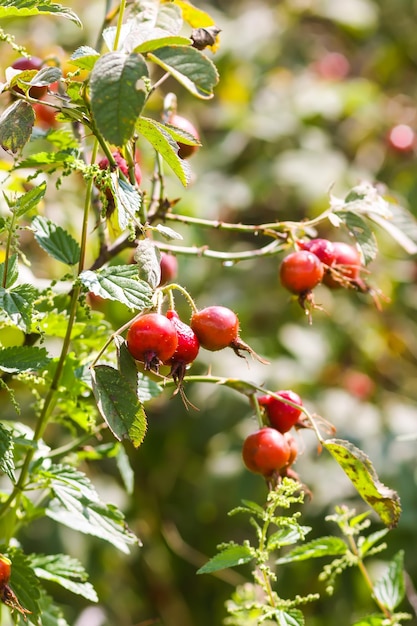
[309, 95]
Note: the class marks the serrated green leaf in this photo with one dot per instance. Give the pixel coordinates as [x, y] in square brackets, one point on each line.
[17, 305]
[121, 283]
[118, 94]
[47, 158]
[23, 358]
[366, 543]
[119, 404]
[29, 200]
[390, 589]
[325, 546]
[363, 235]
[16, 123]
[292, 617]
[126, 363]
[358, 467]
[46, 76]
[148, 260]
[51, 614]
[56, 241]
[377, 619]
[190, 67]
[77, 505]
[161, 139]
[287, 536]
[84, 57]
[23, 581]
[6, 453]
[229, 557]
[401, 226]
[27, 8]
[153, 42]
[65, 571]
[12, 271]
[147, 388]
[128, 203]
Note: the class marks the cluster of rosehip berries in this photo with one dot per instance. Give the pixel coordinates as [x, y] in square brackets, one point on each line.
[272, 450]
[156, 339]
[335, 264]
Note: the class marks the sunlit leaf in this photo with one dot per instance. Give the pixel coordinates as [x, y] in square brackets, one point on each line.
[16, 123]
[390, 589]
[121, 283]
[148, 261]
[56, 241]
[64, 571]
[23, 358]
[26, 8]
[229, 557]
[325, 546]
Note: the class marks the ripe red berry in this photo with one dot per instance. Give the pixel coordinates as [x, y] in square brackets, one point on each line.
[185, 150]
[45, 115]
[322, 248]
[281, 416]
[347, 262]
[265, 451]
[301, 271]
[122, 165]
[152, 338]
[216, 327]
[5, 570]
[169, 268]
[187, 348]
[293, 449]
[31, 63]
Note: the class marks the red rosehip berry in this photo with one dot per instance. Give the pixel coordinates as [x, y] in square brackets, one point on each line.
[169, 268]
[216, 327]
[185, 150]
[293, 449]
[322, 248]
[5, 570]
[152, 339]
[347, 263]
[265, 451]
[280, 415]
[301, 271]
[186, 350]
[31, 63]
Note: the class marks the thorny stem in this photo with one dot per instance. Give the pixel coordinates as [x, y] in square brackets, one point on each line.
[169, 288]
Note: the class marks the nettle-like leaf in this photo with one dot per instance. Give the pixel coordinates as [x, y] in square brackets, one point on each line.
[363, 235]
[27, 8]
[190, 67]
[56, 241]
[17, 305]
[148, 260]
[358, 467]
[119, 404]
[231, 556]
[128, 202]
[76, 504]
[29, 200]
[84, 58]
[325, 546]
[23, 359]
[376, 619]
[390, 589]
[292, 617]
[118, 93]
[12, 271]
[161, 138]
[24, 582]
[366, 544]
[51, 614]
[287, 536]
[121, 283]
[65, 571]
[16, 123]
[6, 453]
[401, 226]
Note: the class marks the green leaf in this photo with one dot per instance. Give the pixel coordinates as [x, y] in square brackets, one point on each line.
[6, 453]
[16, 123]
[51, 614]
[160, 137]
[118, 94]
[47, 158]
[126, 472]
[121, 283]
[229, 557]
[77, 505]
[361, 472]
[29, 200]
[153, 42]
[23, 358]
[46, 76]
[366, 543]
[119, 404]
[292, 617]
[151, 16]
[17, 305]
[27, 8]
[325, 546]
[65, 571]
[12, 271]
[287, 536]
[167, 232]
[377, 619]
[390, 589]
[56, 241]
[126, 363]
[148, 261]
[401, 226]
[190, 67]
[84, 57]
[362, 233]
[147, 388]
[23, 581]
[128, 203]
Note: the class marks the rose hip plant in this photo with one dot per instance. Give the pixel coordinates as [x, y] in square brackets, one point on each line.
[116, 129]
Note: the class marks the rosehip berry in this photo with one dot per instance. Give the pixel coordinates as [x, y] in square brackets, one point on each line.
[31, 63]
[322, 248]
[45, 115]
[281, 416]
[187, 348]
[152, 339]
[122, 165]
[265, 451]
[185, 150]
[347, 262]
[216, 327]
[293, 449]
[301, 271]
[5, 570]
[169, 268]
